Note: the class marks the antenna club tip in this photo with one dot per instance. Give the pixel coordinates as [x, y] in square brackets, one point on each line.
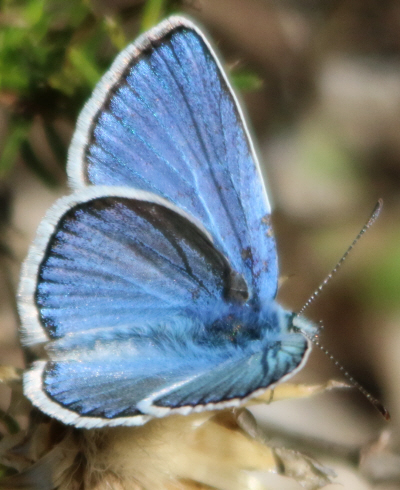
[382, 410]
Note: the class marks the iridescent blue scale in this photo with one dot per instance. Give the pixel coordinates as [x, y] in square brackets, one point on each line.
[152, 286]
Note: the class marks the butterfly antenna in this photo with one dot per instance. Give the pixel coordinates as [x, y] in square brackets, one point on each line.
[368, 224]
[374, 401]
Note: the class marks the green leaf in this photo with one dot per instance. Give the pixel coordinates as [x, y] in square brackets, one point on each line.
[153, 11]
[84, 64]
[33, 12]
[245, 80]
[115, 32]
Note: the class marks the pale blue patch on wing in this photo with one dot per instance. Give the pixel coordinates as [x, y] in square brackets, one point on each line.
[171, 365]
[171, 126]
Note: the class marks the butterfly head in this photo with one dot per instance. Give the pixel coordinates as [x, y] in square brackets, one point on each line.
[299, 324]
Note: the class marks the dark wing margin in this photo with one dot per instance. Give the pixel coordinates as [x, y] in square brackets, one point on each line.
[164, 119]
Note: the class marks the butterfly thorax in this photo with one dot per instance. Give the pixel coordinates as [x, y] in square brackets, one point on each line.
[242, 324]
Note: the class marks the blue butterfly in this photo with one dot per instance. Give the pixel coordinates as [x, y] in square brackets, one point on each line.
[151, 288]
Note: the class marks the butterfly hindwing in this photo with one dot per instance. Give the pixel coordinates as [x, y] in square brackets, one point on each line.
[179, 364]
[242, 374]
[165, 119]
[120, 258]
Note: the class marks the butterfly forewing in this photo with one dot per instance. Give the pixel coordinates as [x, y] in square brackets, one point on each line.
[169, 123]
[117, 260]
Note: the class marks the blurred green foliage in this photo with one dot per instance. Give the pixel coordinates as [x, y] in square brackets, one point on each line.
[153, 11]
[381, 284]
[48, 56]
[52, 53]
[51, 44]
[245, 80]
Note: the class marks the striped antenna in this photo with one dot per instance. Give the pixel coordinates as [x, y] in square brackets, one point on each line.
[368, 224]
[374, 401]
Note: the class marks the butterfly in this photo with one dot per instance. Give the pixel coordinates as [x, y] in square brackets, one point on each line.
[151, 289]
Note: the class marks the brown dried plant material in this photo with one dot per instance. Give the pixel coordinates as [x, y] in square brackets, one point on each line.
[210, 450]
[287, 391]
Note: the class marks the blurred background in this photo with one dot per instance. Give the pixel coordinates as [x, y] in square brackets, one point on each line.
[320, 81]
